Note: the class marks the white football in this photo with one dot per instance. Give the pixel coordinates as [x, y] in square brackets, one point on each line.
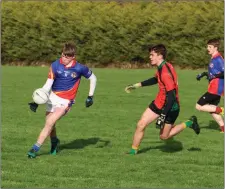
[40, 96]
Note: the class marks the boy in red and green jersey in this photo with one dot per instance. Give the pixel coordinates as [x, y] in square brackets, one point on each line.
[165, 108]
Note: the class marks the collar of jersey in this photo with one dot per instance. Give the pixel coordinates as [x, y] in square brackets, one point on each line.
[217, 54]
[160, 66]
[74, 62]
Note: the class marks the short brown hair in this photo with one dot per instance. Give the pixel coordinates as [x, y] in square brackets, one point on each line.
[160, 49]
[69, 49]
[214, 42]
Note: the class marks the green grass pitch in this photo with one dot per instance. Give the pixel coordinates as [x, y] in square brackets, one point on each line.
[94, 140]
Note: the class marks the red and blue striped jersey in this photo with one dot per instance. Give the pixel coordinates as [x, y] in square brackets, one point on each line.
[216, 66]
[67, 79]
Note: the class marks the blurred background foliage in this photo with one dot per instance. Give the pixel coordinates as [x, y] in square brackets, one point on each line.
[111, 31]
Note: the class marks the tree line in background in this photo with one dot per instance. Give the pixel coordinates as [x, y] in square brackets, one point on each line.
[110, 32]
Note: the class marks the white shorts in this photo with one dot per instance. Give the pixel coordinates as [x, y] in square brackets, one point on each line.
[55, 101]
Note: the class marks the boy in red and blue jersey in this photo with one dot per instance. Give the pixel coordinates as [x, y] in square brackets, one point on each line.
[210, 100]
[63, 82]
[165, 108]
[67, 79]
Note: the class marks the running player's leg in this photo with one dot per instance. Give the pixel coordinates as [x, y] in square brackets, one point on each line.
[50, 122]
[212, 107]
[205, 103]
[219, 120]
[171, 130]
[217, 117]
[149, 115]
[51, 119]
[54, 140]
[165, 131]
[191, 123]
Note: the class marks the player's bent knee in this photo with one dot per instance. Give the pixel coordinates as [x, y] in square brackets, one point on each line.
[198, 107]
[163, 137]
[50, 123]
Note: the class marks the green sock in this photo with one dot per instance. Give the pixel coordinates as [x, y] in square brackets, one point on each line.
[188, 123]
[133, 151]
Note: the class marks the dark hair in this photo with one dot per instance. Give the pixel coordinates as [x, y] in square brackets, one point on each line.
[214, 42]
[69, 49]
[160, 49]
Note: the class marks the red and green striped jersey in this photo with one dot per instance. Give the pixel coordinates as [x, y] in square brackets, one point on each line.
[167, 81]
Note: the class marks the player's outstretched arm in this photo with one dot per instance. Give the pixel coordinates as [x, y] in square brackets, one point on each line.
[131, 87]
[148, 82]
[48, 85]
[201, 75]
[93, 80]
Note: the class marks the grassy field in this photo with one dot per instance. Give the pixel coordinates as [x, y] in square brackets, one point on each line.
[94, 140]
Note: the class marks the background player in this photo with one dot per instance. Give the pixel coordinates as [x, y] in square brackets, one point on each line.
[62, 84]
[165, 108]
[210, 100]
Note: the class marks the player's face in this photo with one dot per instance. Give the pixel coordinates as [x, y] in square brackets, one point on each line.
[155, 59]
[67, 59]
[211, 49]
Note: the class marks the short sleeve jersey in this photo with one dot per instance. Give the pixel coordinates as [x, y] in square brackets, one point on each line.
[67, 79]
[167, 81]
[216, 66]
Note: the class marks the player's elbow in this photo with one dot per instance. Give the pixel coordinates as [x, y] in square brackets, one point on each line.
[95, 79]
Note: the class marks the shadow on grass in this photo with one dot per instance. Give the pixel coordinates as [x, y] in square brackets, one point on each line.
[212, 125]
[169, 146]
[193, 149]
[82, 143]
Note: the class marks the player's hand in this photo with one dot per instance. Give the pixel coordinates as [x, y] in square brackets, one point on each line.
[160, 121]
[33, 106]
[89, 101]
[199, 76]
[129, 88]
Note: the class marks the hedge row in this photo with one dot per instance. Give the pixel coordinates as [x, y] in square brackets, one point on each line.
[110, 32]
